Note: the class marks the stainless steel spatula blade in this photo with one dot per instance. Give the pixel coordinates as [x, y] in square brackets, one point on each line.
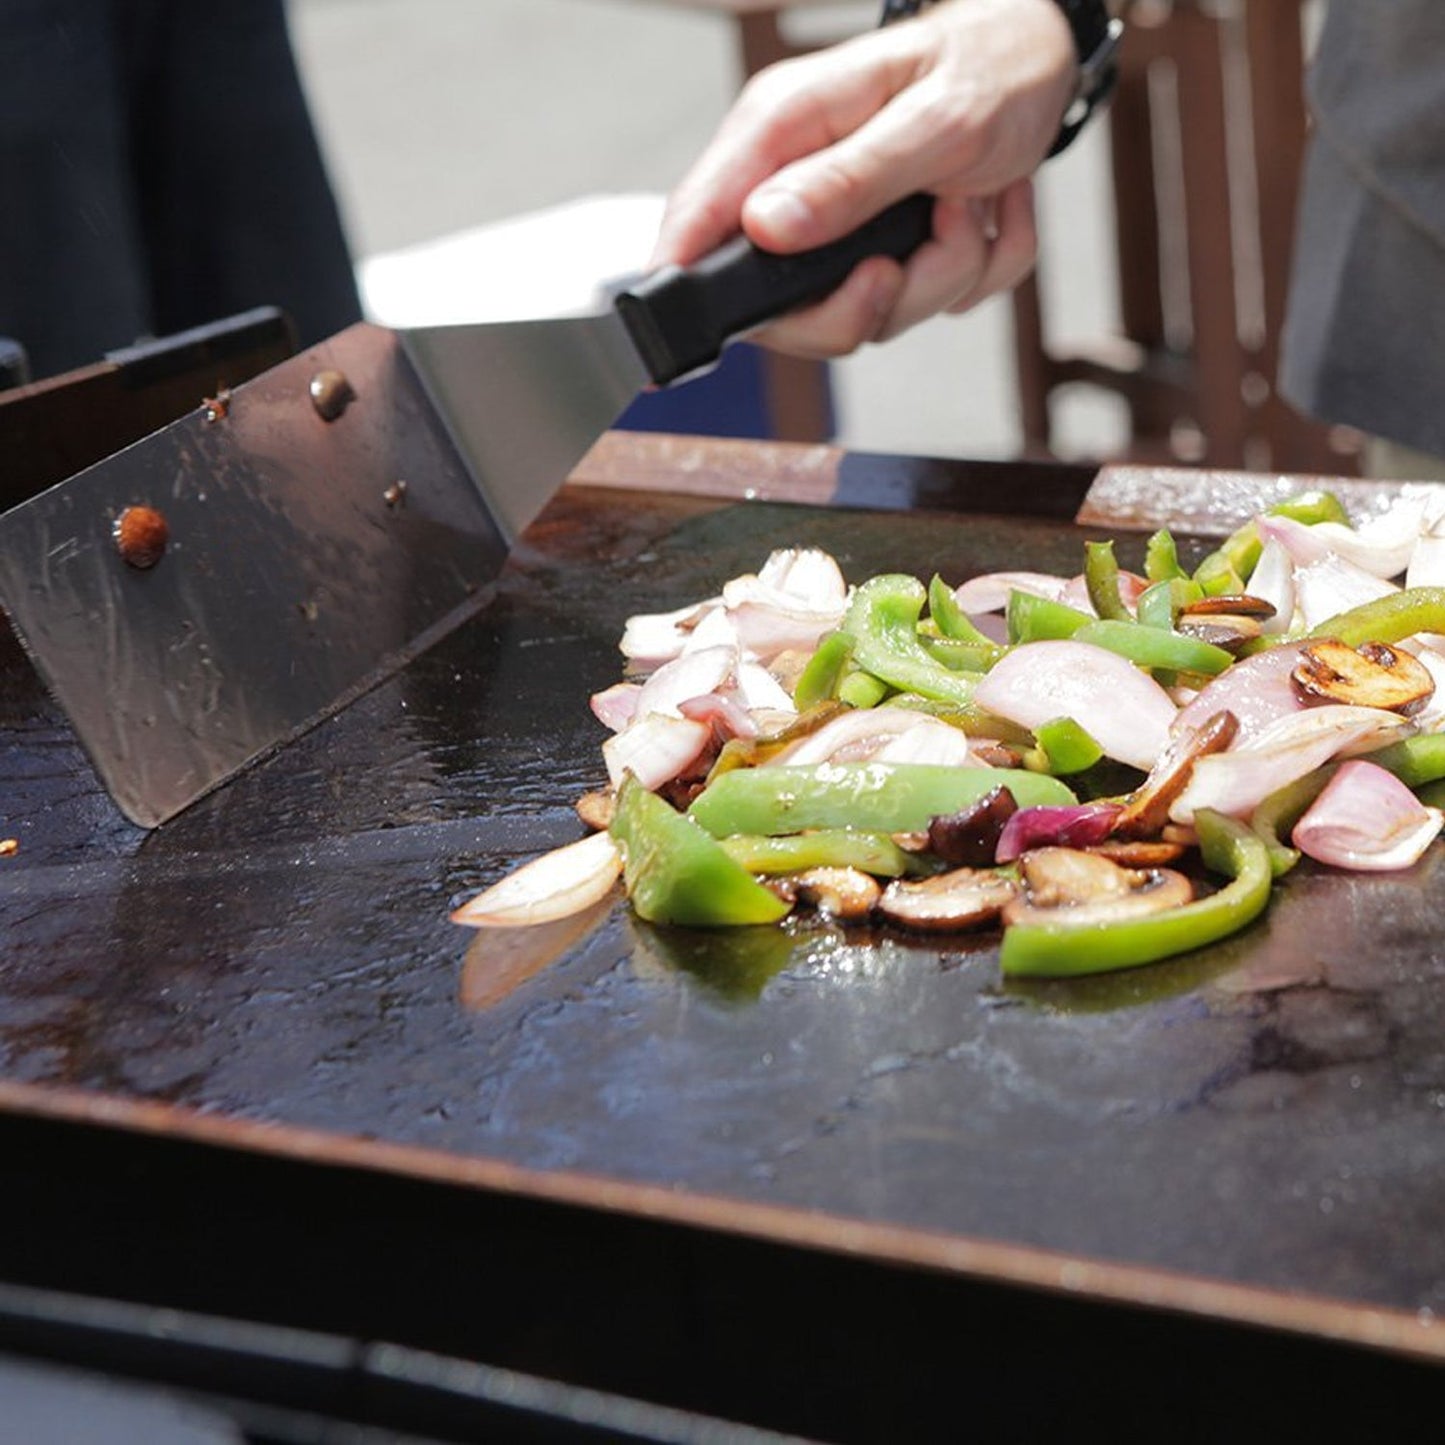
[306, 559]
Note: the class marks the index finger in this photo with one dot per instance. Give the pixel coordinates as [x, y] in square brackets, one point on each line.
[783, 114]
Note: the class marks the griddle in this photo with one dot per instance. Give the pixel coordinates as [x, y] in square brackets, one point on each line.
[255, 1032]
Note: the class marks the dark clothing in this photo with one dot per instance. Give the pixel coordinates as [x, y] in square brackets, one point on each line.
[158, 170]
[1366, 332]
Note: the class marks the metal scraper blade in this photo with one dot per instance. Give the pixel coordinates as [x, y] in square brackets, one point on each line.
[307, 559]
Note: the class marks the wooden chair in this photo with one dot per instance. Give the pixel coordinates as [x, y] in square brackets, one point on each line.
[1206, 132]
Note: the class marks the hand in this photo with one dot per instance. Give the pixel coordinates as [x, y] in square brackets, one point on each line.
[962, 101]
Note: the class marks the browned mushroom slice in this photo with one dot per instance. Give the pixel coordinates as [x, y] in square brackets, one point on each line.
[1065, 885]
[1229, 630]
[970, 836]
[596, 810]
[1139, 852]
[948, 902]
[845, 893]
[1147, 810]
[1231, 604]
[1371, 675]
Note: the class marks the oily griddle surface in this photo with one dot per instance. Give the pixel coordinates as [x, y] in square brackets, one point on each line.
[1271, 1111]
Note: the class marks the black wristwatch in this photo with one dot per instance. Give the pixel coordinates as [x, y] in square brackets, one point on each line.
[1096, 39]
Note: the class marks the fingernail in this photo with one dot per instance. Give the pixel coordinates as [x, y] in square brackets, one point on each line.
[782, 213]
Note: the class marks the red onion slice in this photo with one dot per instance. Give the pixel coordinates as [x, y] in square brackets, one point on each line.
[1080, 826]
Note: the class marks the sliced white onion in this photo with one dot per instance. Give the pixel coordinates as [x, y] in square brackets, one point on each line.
[989, 593]
[615, 707]
[928, 741]
[556, 885]
[688, 676]
[807, 574]
[765, 629]
[759, 691]
[1381, 545]
[1273, 581]
[652, 638]
[1237, 781]
[727, 717]
[1121, 707]
[656, 748]
[1256, 689]
[853, 736]
[1303, 543]
[1427, 565]
[1325, 588]
[1426, 650]
[714, 629]
[1366, 819]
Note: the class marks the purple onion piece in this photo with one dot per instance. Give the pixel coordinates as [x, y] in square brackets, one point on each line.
[1080, 825]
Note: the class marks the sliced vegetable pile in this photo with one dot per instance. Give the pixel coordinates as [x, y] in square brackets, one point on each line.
[1111, 768]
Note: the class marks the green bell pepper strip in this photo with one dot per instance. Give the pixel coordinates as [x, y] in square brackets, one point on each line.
[1066, 747]
[1063, 949]
[1161, 558]
[882, 618]
[1215, 577]
[874, 853]
[1388, 619]
[1275, 816]
[1040, 619]
[1154, 647]
[676, 873]
[1101, 579]
[1161, 604]
[950, 619]
[970, 719]
[875, 797]
[819, 680]
[1415, 761]
[861, 689]
[960, 656]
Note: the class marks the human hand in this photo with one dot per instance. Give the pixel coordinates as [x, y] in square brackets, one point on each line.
[962, 102]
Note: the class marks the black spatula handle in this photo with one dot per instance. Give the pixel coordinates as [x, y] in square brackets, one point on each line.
[681, 317]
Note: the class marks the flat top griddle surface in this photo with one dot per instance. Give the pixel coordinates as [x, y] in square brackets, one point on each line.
[1269, 1112]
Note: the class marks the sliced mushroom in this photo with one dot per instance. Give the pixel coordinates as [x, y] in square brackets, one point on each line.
[1065, 885]
[948, 902]
[1229, 630]
[1147, 810]
[970, 836]
[1139, 852]
[846, 894]
[596, 810]
[1231, 604]
[997, 755]
[1371, 675]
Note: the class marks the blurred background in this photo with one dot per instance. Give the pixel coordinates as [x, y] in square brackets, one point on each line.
[455, 118]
